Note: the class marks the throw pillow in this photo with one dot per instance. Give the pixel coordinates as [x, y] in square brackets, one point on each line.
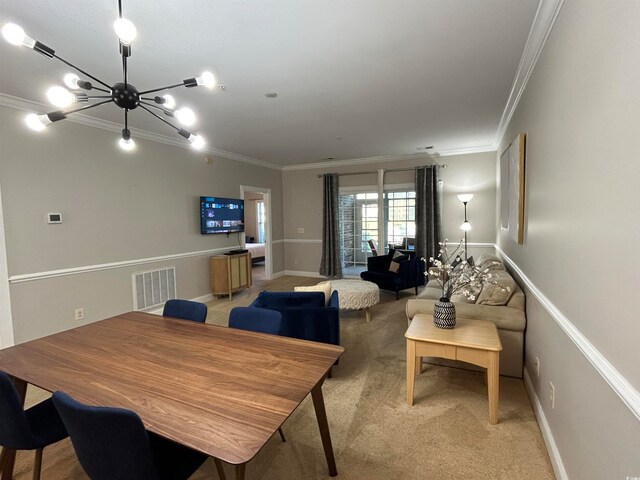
[324, 287]
[497, 290]
[398, 257]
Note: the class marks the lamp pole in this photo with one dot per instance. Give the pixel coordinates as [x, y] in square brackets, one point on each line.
[466, 226]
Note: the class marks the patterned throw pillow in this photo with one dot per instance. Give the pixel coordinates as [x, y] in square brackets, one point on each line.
[498, 290]
[324, 287]
[395, 261]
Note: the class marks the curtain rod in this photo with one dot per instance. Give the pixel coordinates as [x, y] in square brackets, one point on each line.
[385, 171]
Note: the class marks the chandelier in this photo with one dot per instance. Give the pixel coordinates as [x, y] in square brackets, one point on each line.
[122, 94]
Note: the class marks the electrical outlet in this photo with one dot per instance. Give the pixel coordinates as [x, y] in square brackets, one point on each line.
[79, 314]
[537, 364]
[552, 395]
[300, 230]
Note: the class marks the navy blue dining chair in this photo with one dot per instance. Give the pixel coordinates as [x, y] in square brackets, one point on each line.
[112, 444]
[33, 429]
[186, 310]
[259, 320]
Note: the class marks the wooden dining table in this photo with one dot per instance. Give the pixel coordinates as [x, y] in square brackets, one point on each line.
[218, 390]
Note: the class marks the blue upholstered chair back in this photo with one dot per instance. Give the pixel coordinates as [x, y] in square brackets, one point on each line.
[111, 443]
[15, 431]
[256, 319]
[185, 309]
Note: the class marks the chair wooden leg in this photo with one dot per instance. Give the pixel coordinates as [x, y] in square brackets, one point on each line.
[397, 294]
[240, 468]
[330, 372]
[416, 289]
[281, 434]
[37, 465]
[219, 468]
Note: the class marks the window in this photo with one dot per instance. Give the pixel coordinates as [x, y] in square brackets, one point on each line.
[260, 220]
[359, 223]
[400, 218]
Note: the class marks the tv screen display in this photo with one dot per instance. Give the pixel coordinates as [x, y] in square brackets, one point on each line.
[221, 215]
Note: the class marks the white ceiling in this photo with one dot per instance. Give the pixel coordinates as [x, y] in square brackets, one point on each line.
[385, 76]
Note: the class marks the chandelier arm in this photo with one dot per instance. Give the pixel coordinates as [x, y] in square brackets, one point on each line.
[154, 106]
[163, 88]
[88, 107]
[81, 71]
[126, 119]
[124, 68]
[100, 89]
[98, 96]
[160, 118]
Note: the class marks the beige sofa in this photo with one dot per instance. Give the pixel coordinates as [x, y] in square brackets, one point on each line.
[509, 317]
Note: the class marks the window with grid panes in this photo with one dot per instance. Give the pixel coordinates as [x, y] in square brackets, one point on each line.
[400, 217]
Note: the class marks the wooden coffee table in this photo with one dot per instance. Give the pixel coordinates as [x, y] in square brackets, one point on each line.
[472, 341]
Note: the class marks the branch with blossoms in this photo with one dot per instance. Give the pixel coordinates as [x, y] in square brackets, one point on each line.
[457, 276]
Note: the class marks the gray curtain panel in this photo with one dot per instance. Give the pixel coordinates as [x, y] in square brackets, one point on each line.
[331, 264]
[428, 222]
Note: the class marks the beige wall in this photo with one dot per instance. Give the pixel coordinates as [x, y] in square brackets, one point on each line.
[116, 207]
[464, 173]
[580, 113]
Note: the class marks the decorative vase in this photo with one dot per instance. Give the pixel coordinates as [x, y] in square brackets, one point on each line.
[444, 313]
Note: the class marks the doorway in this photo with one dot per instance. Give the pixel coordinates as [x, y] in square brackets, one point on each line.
[257, 235]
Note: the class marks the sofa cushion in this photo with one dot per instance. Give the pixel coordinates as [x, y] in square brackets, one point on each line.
[497, 289]
[487, 261]
[324, 287]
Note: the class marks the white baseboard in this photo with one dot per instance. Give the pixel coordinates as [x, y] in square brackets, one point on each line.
[277, 274]
[552, 448]
[298, 273]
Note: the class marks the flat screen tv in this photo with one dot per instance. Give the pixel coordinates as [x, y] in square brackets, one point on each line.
[221, 215]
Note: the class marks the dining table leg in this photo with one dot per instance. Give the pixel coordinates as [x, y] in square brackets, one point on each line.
[240, 468]
[321, 415]
[8, 457]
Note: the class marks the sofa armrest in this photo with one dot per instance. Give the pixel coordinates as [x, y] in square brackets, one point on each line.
[315, 324]
[334, 301]
[504, 317]
[412, 272]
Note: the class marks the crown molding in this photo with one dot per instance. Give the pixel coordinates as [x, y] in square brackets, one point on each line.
[540, 28]
[30, 106]
[390, 158]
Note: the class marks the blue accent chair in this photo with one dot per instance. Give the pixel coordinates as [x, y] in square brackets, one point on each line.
[256, 319]
[112, 444]
[304, 314]
[259, 320]
[410, 273]
[186, 310]
[33, 429]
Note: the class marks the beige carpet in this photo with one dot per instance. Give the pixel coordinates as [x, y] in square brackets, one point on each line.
[445, 435]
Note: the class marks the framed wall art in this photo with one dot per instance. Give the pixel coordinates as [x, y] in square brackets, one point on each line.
[512, 165]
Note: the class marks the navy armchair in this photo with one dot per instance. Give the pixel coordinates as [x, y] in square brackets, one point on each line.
[410, 273]
[304, 314]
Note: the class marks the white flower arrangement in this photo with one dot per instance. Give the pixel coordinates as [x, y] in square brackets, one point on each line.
[457, 276]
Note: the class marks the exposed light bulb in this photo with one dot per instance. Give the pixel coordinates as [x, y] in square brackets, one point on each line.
[466, 226]
[15, 35]
[169, 101]
[185, 116]
[60, 97]
[36, 122]
[465, 197]
[71, 81]
[197, 141]
[127, 145]
[207, 79]
[126, 30]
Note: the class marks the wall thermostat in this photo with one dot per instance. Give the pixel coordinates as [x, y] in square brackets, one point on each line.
[54, 218]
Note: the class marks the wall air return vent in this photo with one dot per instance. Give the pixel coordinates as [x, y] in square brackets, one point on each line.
[153, 288]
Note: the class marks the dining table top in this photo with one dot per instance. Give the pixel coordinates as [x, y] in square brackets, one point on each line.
[218, 390]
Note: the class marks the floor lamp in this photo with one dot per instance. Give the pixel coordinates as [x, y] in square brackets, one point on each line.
[466, 226]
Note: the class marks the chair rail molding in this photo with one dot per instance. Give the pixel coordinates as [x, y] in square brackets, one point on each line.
[29, 277]
[620, 385]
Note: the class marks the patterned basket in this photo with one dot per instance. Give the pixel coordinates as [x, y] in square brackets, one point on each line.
[444, 314]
